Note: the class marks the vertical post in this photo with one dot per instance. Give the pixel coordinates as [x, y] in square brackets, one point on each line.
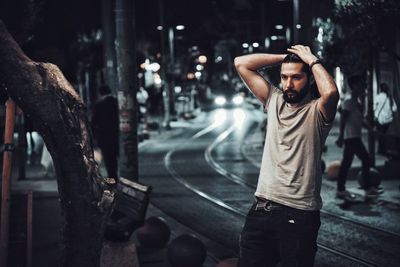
[22, 146]
[171, 45]
[263, 26]
[127, 88]
[166, 95]
[5, 184]
[108, 25]
[171, 38]
[87, 88]
[295, 21]
[370, 106]
[29, 217]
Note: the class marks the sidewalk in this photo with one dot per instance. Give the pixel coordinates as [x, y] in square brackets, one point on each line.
[47, 215]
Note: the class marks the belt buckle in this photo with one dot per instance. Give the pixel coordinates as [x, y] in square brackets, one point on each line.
[268, 206]
[263, 204]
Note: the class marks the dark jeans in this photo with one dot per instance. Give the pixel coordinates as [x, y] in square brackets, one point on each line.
[110, 155]
[382, 129]
[353, 147]
[276, 233]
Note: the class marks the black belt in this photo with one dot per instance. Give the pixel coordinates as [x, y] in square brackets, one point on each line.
[267, 205]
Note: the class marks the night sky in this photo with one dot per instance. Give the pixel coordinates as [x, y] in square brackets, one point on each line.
[58, 22]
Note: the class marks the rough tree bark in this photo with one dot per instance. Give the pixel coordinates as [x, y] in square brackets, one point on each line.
[58, 114]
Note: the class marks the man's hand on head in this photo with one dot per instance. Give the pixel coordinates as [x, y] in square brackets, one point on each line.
[304, 52]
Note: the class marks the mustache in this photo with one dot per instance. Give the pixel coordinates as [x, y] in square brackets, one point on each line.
[289, 91]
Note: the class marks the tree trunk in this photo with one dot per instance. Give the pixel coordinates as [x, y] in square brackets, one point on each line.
[58, 114]
[126, 70]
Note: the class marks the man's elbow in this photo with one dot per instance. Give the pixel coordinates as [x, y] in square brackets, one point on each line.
[240, 62]
[332, 95]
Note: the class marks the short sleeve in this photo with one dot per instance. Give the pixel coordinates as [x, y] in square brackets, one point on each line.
[272, 95]
[322, 126]
[320, 117]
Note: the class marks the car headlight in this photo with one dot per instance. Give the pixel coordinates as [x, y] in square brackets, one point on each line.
[220, 100]
[238, 100]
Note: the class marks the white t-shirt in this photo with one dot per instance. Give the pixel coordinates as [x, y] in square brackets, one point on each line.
[383, 110]
[291, 164]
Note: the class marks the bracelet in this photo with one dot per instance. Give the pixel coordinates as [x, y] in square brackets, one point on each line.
[315, 62]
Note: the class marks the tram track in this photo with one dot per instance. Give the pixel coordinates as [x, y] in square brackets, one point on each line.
[196, 147]
[242, 215]
[239, 180]
[217, 250]
[168, 161]
[238, 211]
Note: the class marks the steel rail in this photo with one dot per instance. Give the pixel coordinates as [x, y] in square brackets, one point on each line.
[221, 203]
[239, 180]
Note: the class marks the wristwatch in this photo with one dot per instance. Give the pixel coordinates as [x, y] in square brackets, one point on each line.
[318, 61]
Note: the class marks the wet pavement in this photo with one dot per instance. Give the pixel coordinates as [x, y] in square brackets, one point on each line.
[204, 173]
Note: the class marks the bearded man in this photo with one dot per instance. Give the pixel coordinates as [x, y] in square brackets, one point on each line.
[283, 223]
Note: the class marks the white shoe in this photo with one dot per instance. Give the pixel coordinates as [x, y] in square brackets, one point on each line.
[345, 195]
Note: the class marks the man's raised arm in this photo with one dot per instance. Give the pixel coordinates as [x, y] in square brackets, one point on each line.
[247, 67]
[325, 83]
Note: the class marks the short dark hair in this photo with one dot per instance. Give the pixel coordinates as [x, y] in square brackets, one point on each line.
[293, 58]
[104, 89]
[384, 88]
[353, 80]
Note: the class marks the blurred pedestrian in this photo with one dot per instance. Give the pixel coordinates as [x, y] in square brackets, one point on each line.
[142, 96]
[283, 223]
[384, 109]
[105, 126]
[351, 122]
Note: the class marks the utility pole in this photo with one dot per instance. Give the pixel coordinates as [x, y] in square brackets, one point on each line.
[295, 31]
[126, 83]
[166, 90]
[263, 33]
[370, 104]
[6, 181]
[108, 27]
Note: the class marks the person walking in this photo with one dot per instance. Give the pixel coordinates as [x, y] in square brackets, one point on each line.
[283, 222]
[105, 127]
[384, 109]
[351, 120]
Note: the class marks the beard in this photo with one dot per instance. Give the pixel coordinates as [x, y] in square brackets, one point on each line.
[294, 97]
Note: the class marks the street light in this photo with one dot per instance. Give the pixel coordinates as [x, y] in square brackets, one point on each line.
[250, 47]
[202, 59]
